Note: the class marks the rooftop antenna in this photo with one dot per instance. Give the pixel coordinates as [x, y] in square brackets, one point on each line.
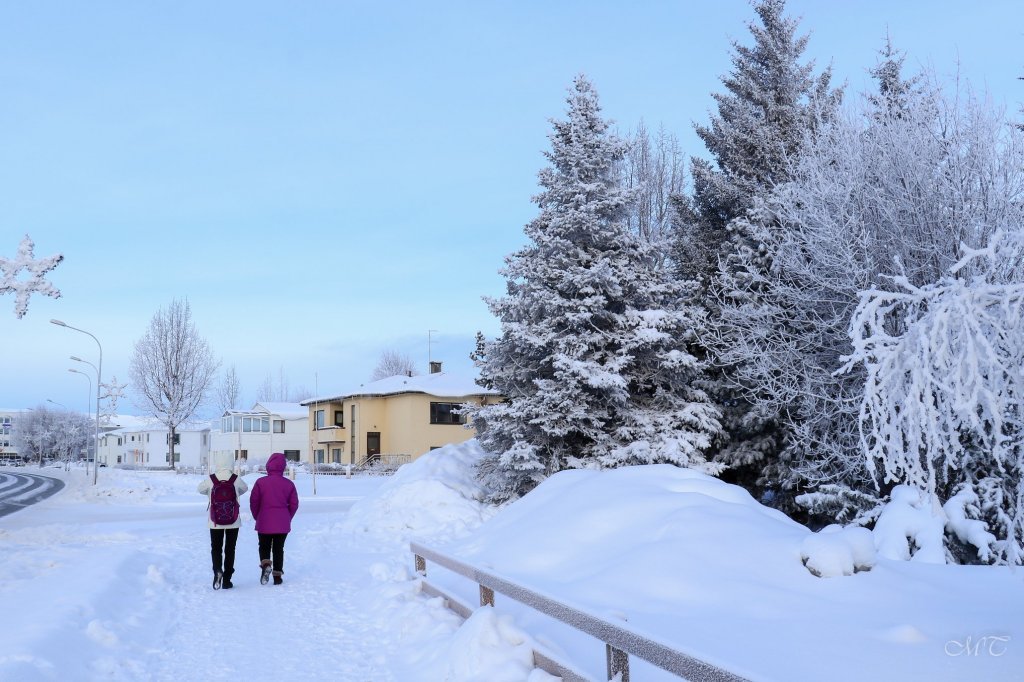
[430, 358]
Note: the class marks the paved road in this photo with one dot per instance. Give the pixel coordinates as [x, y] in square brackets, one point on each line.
[18, 490]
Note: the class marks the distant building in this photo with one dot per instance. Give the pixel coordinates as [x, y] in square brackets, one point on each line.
[269, 427]
[400, 415]
[8, 449]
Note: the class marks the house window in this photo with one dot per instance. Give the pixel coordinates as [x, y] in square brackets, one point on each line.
[177, 457]
[291, 455]
[278, 426]
[177, 438]
[446, 413]
[336, 455]
[319, 419]
[241, 454]
[339, 417]
[319, 456]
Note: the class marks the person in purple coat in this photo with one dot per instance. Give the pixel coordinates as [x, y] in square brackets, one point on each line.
[273, 502]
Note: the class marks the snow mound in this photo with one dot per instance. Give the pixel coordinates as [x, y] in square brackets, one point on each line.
[836, 551]
[435, 497]
[489, 648]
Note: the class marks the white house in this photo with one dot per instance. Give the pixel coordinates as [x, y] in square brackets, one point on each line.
[269, 427]
[146, 443]
[8, 450]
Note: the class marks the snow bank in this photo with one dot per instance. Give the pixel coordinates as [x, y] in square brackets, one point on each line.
[435, 497]
[702, 567]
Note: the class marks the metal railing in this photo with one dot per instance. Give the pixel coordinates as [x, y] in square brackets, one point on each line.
[620, 642]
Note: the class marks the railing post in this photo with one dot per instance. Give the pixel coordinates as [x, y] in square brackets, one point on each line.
[421, 564]
[618, 663]
[486, 596]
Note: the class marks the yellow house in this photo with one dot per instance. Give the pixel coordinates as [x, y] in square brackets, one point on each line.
[398, 418]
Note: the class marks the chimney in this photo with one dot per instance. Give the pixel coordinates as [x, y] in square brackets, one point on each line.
[435, 367]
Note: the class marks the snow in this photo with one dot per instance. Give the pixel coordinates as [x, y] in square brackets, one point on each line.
[440, 384]
[112, 583]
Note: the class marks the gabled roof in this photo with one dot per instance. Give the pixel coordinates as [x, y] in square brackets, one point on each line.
[440, 384]
[262, 409]
[286, 410]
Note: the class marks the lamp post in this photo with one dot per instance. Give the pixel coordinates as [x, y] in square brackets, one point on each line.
[96, 445]
[99, 375]
[57, 404]
[95, 450]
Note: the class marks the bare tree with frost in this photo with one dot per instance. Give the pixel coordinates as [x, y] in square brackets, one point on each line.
[393, 363]
[228, 390]
[172, 368]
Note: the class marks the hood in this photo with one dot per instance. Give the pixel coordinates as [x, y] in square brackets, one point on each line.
[223, 461]
[276, 463]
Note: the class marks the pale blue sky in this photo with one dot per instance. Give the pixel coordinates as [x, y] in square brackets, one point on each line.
[323, 180]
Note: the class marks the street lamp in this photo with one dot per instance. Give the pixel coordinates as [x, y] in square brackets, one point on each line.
[88, 400]
[96, 445]
[57, 404]
[99, 375]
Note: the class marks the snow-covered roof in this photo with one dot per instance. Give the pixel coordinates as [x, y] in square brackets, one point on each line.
[278, 409]
[440, 384]
[286, 410]
[131, 422]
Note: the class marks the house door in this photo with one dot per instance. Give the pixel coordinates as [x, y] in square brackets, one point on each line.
[372, 443]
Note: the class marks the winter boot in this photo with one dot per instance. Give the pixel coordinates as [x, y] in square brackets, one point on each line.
[218, 580]
[226, 584]
[266, 565]
[278, 579]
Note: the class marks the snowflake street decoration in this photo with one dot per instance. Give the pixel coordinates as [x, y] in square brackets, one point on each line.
[112, 392]
[10, 282]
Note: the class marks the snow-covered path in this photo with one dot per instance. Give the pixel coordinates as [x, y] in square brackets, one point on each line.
[121, 591]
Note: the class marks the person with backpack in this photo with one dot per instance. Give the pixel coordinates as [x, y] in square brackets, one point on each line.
[273, 503]
[223, 487]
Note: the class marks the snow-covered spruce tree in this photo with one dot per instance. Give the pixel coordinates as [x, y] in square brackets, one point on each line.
[771, 100]
[592, 355]
[872, 196]
[943, 403]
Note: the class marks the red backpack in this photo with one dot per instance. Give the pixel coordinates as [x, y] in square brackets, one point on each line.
[223, 501]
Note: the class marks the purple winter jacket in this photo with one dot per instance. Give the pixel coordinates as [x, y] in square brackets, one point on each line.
[273, 500]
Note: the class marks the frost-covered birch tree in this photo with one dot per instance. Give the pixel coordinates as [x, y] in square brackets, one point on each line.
[172, 368]
[874, 195]
[41, 434]
[943, 402]
[593, 353]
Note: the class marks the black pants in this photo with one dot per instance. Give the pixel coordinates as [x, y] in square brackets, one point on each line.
[226, 538]
[273, 543]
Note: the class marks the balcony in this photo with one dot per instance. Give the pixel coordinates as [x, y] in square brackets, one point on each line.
[329, 434]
